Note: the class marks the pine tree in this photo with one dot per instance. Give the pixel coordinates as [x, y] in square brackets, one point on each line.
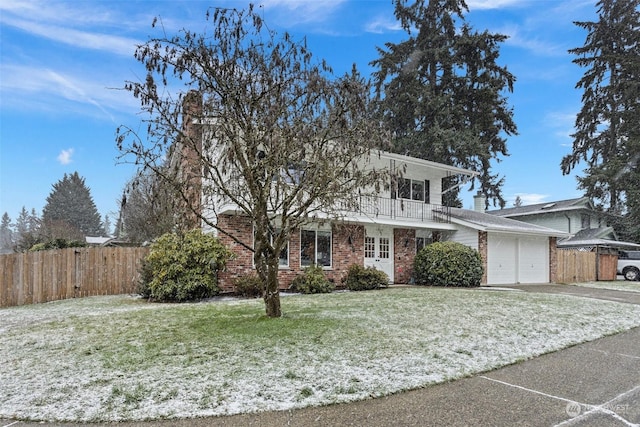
[6, 238]
[607, 135]
[27, 230]
[518, 202]
[441, 92]
[70, 212]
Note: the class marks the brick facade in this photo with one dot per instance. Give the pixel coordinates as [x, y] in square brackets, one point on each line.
[347, 249]
[404, 251]
[553, 259]
[483, 245]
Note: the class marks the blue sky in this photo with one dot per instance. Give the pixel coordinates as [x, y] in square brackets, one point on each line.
[62, 64]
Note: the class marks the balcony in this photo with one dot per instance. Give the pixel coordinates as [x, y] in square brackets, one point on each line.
[403, 209]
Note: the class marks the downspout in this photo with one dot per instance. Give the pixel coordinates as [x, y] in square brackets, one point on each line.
[568, 223]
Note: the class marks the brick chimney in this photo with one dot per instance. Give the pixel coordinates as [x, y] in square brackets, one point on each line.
[479, 202]
[189, 152]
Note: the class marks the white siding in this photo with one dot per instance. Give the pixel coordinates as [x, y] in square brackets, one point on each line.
[466, 236]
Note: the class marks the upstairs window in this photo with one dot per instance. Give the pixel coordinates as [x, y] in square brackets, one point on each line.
[413, 189]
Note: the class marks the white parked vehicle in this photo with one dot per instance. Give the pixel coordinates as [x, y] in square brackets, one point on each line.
[629, 264]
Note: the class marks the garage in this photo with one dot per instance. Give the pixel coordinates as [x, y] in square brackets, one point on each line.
[517, 259]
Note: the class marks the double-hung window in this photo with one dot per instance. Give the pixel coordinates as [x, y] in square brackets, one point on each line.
[315, 248]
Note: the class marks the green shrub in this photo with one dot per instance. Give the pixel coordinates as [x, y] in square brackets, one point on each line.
[359, 278]
[312, 281]
[183, 267]
[57, 244]
[448, 264]
[249, 286]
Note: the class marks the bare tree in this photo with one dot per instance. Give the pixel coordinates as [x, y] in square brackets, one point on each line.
[267, 130]
[147, 209]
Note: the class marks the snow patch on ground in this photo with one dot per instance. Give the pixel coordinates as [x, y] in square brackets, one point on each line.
[91, 360]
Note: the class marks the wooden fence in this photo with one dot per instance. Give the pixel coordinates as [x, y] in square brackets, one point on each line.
[578, 266]
[42, 276]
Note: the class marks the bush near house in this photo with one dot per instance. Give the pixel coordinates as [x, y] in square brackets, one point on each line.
[361, 278]
[249, 286]
[183, 267]
[312, 281]
[448, 264]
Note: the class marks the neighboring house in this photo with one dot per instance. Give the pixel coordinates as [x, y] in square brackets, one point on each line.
[577, 217]
[570, 216]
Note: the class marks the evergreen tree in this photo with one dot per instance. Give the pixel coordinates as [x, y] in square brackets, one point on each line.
[518, 202]
[27, 230]
[441, 92]
[607, 128]
[106, 225]
[70, 212]
[6, 238]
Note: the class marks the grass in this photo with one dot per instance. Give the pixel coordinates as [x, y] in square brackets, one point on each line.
[618, 285]
[120, 358]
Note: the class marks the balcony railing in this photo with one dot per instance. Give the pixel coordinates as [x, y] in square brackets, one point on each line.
[402, 209]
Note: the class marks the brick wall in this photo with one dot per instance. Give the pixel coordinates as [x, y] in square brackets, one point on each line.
[553, 259]
[483, 249]
[404, 251]
[347, 249]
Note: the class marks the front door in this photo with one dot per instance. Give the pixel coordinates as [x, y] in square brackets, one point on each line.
[378, 249]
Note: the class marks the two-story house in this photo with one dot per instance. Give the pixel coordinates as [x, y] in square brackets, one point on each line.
[386, 229]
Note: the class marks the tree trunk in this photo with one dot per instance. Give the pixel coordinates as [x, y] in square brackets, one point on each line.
[272, 304]
[272, 294]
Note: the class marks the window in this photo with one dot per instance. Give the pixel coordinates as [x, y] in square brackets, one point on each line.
[315, 248]
[420, 243]
[283, 259]
[413, 189]
[417, 190]
[586, 221]
[294, 173]
[369, 247]
[384, 247]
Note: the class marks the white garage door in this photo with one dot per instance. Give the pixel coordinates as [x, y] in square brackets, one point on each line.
[513, 259]
[534, 260]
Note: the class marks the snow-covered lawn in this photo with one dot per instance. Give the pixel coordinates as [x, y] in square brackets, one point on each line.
[117, 358]
[618, 285]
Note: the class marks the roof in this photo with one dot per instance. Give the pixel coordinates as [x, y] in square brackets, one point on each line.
[424, 163]
[543, 208]
[581, 243]
[595, 233]
[487, 222]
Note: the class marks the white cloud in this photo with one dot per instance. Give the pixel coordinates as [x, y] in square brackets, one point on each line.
[493, 4]
[21, 82]
[302, 11]
[64, 158]
[81, 39]
[382, 24]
